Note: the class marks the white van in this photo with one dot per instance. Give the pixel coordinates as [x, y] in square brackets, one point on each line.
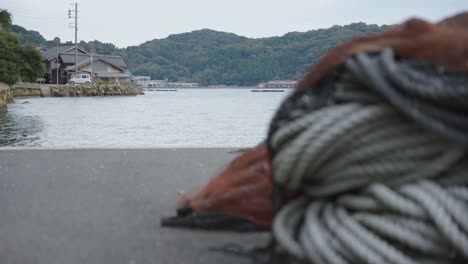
[81, 79]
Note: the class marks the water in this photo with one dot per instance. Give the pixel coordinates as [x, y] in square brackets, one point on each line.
[188, 117]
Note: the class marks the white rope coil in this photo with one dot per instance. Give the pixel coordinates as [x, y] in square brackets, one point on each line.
[378, 186]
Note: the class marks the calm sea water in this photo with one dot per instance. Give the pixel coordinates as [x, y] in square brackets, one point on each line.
[191, 117]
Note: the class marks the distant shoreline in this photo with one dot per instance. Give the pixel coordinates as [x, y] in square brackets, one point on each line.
[218, 87]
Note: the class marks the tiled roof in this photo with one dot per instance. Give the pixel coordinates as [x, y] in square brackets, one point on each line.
[50, 53]
[114, 60]
[69, 58]
[84, 59]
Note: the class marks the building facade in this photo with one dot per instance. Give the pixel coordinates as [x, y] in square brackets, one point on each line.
[278, 84]
[60, 65]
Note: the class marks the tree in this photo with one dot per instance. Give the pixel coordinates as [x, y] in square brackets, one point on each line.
[16, 60]
[32, 65]
[211, 57]
[5, 19]
[27, 36]
[9, 70]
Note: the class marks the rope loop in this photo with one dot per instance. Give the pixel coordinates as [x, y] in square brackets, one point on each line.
[379, 153]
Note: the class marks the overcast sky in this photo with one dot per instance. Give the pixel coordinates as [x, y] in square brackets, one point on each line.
[131, 22]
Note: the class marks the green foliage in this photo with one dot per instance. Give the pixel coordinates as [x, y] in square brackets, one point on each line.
[101, 82]
[32, 65]
[18, 61]
[31, 37]
[9, 69]
[27, 36]
[5, 20]
[210, 57]
[98, 47]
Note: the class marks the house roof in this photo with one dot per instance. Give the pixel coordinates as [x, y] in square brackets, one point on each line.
[87, 61]
[69, 58]
[50, 53]
[114, 60]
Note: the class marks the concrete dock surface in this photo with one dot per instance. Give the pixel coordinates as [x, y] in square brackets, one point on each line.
[99, 206]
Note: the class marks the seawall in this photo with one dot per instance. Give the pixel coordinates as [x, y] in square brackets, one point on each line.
[5, 96]
[99, 206]
[40, 90]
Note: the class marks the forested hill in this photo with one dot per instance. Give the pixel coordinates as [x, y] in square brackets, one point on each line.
[210, 57]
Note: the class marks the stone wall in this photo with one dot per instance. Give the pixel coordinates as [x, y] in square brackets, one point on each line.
[26, 92]
[34, 90]
[95, 90]
[5, 96]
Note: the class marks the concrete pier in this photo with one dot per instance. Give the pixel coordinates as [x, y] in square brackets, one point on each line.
[93, 206]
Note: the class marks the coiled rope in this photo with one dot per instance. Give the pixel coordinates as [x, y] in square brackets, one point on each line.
[381, 162]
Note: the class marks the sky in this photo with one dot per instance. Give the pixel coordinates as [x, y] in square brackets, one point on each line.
[128, 23]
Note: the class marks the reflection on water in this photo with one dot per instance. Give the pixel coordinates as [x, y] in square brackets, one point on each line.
[192, 117]
[20, 130]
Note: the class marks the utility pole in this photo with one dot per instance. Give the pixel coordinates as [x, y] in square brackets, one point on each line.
[57, 65]
[92, 49]
[92, 66]
[75, 25]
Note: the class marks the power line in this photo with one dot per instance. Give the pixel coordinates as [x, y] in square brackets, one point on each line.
[30, 11]
[49, 21]
[21, 14]
[37, 19]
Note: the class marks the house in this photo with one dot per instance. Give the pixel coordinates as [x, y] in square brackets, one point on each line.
[278, 84]
[146, 82]
[60, 65]
[165, 84]
[141, 80]
[111, 69]
[51, 56]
